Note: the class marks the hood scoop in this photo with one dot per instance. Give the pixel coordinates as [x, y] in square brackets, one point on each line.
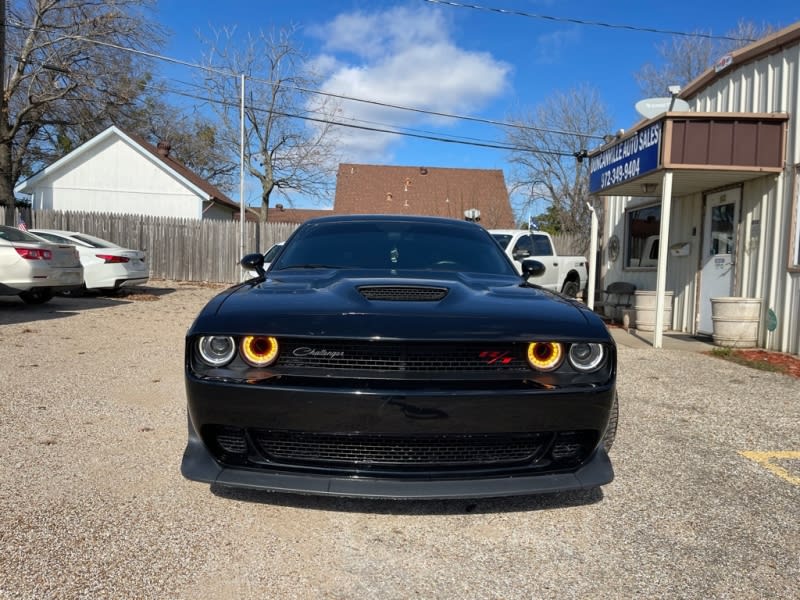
[402, 293]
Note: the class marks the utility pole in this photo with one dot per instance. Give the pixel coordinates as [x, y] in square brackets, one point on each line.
[6, 195]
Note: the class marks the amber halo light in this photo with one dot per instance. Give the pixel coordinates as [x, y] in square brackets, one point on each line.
[259, 350]
[545, 356]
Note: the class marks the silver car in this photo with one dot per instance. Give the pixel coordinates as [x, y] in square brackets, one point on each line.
[34, 269]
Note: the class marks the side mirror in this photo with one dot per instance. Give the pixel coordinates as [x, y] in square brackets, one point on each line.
[521, 254]
[532, 268]
[254, 262]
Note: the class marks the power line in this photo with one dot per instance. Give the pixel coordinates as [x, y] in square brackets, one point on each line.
[519, 13]
[231, 74]
[431, 137]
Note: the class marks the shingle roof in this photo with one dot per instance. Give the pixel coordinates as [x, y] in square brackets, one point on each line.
[280, 214]
[433, 191]
[215, 194]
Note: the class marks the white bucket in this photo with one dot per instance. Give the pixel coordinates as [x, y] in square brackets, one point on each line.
[735, 321]
[645, 308]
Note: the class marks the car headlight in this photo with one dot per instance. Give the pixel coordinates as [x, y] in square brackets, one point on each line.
[545, 356]
[586, 357]
[259, 350]
[216, 350]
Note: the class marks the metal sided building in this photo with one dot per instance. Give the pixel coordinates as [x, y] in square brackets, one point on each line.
[715, 186]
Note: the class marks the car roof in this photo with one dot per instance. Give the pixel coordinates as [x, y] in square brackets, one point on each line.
[57, 231]
[390, 218]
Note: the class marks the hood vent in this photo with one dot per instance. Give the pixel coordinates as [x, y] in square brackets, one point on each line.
[402, 293]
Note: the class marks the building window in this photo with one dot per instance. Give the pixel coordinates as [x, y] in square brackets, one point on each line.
[642, 229]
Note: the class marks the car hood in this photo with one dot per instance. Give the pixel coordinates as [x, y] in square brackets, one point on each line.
[327, 302]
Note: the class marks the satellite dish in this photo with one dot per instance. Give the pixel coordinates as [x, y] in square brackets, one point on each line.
[650, 107]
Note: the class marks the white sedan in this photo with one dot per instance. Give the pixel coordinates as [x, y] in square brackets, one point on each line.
[106, 266]
[34, 269]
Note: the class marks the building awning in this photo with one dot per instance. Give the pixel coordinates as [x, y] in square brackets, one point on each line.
[704, 151]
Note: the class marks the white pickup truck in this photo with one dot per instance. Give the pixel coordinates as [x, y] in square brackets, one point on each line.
[565, 274]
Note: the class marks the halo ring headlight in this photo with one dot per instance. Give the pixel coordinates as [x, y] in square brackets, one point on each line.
[259, 350]
[586, 357]
[216, 350]
[545, 356]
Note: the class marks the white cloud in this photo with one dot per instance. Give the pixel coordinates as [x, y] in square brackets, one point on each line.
[550, 46]
[402, 57]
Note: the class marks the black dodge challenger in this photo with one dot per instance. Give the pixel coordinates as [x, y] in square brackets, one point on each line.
[398, 357]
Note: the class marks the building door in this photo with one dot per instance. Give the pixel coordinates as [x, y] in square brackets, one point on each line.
[718, 252]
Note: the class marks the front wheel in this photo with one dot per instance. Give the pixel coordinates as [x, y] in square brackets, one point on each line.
[36, 296]
[571, 289]
[611, 430]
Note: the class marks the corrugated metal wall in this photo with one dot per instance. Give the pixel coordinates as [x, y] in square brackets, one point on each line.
[768, 243]
[767, 254]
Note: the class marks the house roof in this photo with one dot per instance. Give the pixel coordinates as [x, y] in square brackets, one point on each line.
[200, 186]
[432, 191]
[280, 214]
[212, 192]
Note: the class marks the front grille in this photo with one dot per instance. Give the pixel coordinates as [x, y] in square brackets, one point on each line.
[409, 356]
[232, 440]
[402, 293]
[357, 450]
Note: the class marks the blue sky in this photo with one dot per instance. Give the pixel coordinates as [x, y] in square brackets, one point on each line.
[459, 60]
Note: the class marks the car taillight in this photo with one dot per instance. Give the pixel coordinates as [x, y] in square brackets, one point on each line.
[110, 258]
[34, 253]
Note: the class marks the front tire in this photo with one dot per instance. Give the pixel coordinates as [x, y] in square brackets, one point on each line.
[611, 429]
[570, 289]
[36, 296]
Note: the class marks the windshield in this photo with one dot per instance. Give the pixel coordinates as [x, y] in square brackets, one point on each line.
[393, 245]
[95, 242]
[502, 239]
[12, 234]
[272, 253]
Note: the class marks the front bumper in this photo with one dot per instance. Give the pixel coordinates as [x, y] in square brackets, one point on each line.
[406, 414]
[199, 465]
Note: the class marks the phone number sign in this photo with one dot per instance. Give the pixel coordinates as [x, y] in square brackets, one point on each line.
[628, 158]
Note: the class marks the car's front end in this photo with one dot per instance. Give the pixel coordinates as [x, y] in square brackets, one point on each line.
[444, 386]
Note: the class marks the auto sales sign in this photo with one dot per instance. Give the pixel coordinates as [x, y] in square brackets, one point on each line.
[627, 159]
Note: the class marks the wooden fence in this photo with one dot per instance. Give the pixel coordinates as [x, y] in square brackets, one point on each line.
[192, 250]
[177, 249]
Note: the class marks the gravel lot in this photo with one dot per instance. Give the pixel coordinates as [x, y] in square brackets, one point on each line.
[92, 504]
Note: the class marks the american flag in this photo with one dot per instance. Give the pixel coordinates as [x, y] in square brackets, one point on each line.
[22, 226]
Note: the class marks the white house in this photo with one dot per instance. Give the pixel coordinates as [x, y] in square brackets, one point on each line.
[715, 188]
[117, 172]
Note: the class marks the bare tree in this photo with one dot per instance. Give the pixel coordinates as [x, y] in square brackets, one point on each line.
[289, 144]
[64, 71]
[684, 58]
[195, 139]
[552, 140]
